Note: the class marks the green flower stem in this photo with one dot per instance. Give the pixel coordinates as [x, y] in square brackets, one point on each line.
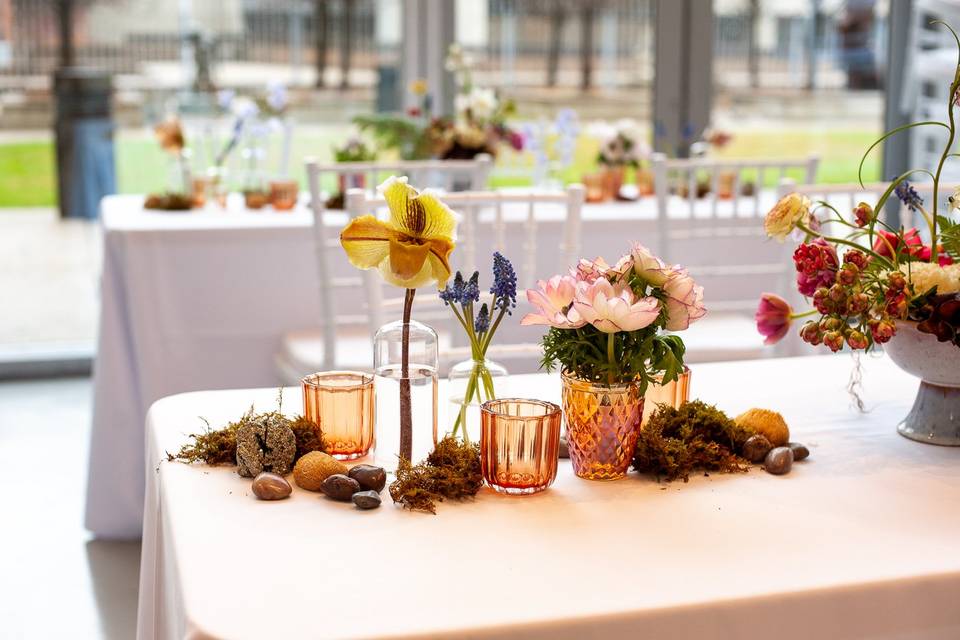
[943, 158]
[611, 359]
[794, 316]
[492, 330]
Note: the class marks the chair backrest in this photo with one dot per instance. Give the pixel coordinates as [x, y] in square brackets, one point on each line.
[449, 174]
[512, 222]
[719, 237]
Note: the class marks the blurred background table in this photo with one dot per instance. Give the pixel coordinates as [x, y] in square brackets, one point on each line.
[201, 300]
[860, 538]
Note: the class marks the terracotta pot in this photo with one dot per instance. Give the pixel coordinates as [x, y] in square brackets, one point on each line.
[645, 182]
[935, 416]
[612, 182]
[284, 194]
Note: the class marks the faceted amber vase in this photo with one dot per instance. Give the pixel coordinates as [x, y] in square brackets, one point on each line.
[672, 394]
[602, 426]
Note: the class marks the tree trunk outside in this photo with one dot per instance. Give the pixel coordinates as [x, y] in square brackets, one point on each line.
[65, 23]
[753, 55]
[346, 43]
[586, 46]
[320, 39]
[557, 19]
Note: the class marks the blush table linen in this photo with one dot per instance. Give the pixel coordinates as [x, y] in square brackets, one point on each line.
[858, 541]
[195, 301]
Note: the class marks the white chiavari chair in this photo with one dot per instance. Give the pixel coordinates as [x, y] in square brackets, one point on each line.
[507, 221]
[321, 348]
[722, 243]
[845, 196]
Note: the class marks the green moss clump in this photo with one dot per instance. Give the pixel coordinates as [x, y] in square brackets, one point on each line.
[697, 436]
[308, 436]
[212, 447]
[451, 471]
[217, 447]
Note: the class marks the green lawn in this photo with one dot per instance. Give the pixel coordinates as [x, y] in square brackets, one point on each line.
[28, 179]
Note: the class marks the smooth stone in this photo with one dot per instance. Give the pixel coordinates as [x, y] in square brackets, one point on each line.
[366, 499]
[370, 477]
[756, 448]
[340, 487]
[799, 451]
[270, 486]
[778, 461]
[564, 447]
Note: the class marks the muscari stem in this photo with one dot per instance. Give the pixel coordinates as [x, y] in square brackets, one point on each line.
[406, 416]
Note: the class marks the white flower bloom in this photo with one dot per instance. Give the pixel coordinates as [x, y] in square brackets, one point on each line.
[243, 107]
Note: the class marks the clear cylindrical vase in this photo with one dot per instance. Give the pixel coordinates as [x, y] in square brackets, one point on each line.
[406, 384]
[470, 384]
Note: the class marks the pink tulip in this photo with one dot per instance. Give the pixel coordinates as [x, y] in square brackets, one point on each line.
[773, 317]
[552, 302]
[612, 308]
[684, 300]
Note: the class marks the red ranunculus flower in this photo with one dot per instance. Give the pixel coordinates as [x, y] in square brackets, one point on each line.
[816, 264]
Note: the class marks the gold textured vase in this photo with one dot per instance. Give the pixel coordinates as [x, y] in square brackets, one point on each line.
[602, 426]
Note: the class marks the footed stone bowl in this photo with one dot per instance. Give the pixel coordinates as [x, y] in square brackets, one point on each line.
[935, 416]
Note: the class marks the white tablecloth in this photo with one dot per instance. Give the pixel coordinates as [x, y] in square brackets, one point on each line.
[859, 541]
[201, 300]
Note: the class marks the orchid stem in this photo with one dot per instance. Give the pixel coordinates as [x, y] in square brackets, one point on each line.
[406, 415]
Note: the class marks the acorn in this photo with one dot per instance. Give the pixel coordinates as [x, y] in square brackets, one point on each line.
[767, 423]
[315, 467]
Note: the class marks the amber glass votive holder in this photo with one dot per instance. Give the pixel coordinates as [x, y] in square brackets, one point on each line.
[284, 194]
[519, 444]
[673, 394]
[341, 405]
[595, 184]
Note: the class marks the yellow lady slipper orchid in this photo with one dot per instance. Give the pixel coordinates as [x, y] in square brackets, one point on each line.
[410, 250]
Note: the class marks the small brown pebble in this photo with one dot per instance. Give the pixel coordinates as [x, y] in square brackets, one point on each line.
[564, 447]
[369, 477]
[366, 499]
[756, 448]
[270, 486]
[315, 467]
[799, 451]
[778, 461]
[340, 487]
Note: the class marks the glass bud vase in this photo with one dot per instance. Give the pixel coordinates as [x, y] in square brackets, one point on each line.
[479, 379]
[401, 391]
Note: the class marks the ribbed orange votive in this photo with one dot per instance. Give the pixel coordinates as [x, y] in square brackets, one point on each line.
[519, 444]
[341, 404]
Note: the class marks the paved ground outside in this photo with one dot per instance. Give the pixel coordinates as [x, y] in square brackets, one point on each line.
[49, 273]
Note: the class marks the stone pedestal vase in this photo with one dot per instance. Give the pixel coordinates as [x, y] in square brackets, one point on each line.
[935, 416]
